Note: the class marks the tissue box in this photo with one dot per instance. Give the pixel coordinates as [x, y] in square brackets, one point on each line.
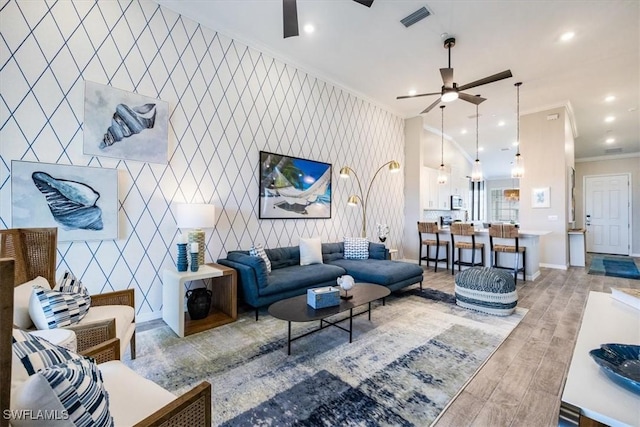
[323, 297]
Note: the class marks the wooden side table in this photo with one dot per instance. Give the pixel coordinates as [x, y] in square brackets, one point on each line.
[224, 301]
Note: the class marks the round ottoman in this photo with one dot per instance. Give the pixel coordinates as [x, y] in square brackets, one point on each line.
[486, 289]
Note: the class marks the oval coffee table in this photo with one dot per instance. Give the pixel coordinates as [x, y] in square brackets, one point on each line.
[296, 309]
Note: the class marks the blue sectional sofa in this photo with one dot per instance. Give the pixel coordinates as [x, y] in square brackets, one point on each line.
[288, 278]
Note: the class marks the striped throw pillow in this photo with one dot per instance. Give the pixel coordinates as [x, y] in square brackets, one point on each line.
[36, 353]
[356, 248]
[69, 284]
[51, 309]
[258, 250]
[77, 386]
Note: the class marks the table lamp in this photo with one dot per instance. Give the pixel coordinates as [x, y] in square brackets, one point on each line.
[196, 216]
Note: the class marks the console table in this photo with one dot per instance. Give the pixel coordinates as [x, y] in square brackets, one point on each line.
[589, 392]
[224, 305]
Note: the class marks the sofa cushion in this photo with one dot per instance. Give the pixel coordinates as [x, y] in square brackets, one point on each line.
[74, 388]
[310, 251]
[377, 251]
[53, 309]
[381, 272]
[283, 257]
[21, 296]
[258, 250]
[300, 277]
[123, 315]
[356, 248]
[256, 263]
[119, 380]
[332, 251]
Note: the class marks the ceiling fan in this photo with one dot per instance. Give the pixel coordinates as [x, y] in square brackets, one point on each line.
[450, 90]
[290, 16]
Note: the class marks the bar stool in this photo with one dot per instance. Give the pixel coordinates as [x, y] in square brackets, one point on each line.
[432, 228]
[507, 231]
[462, 229]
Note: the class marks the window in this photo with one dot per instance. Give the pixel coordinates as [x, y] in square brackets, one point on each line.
[476, 194]
[502, 209]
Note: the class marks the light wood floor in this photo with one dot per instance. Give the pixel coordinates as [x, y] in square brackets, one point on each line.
[522, 383]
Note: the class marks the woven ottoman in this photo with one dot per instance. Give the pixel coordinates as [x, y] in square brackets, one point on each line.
[486, 289]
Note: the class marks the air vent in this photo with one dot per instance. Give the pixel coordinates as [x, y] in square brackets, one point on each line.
[505, 149]
[613, 150]
[473, 116]
[416, 16]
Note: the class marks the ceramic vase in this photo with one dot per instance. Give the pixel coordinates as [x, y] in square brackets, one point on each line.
[194, 261]
[198, 302]
[182, 262]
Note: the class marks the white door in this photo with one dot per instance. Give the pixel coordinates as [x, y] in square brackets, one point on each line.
[607, 214]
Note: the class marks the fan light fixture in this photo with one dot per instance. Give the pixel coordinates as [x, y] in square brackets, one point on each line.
[476, 172]
[442, 173]
[518, 163]
[449, 95]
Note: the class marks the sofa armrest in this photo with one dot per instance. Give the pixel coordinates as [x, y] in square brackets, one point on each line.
[104, 352]
[378, 251]
[91, 334]
[246, 279]
[191, 409]
[123, 297]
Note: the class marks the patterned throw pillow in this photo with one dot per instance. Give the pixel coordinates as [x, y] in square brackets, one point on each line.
[356, 248]
[70, 285]
[77, 386]
[53, 309]
[258, 250]
[36, 353]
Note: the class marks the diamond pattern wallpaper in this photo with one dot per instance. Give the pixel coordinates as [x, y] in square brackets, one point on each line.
[227, 102]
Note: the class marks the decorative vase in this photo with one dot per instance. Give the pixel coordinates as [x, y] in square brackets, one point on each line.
[182, 262]
[194, 261]
[198, 302]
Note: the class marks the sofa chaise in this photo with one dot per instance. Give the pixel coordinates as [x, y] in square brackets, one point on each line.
[288, 278]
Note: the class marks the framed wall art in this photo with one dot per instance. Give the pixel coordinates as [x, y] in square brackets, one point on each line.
[540, 198]
[291, 187]
[124, 125]
[81, 201]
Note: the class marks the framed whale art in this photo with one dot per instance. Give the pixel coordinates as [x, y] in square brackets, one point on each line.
[81, 201]
[124, 125]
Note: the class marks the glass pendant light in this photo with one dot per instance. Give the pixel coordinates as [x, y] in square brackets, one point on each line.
[518, 163]
[442, 173]
[476, 172]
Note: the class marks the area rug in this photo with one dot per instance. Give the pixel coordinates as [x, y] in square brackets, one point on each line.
[402, 368]
[614, 266]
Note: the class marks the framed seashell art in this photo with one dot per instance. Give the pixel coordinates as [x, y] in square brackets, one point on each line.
[81, 201]
[124, 125]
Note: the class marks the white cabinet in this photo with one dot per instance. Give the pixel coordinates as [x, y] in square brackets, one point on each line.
[433, 195]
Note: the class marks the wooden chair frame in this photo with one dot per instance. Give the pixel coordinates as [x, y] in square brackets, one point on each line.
[432, 228]
[507, 231]
[462, 229]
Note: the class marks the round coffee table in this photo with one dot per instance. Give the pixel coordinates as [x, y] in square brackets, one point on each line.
[296, 309]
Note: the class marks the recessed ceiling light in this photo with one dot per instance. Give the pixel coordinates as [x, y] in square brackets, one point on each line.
[412, 92]
[610, 98]
[309, 28]
[567, 36]
[463, 131]
[609, 119]
[501, 123]
[515, 143]
[610, 140]
[480, 148]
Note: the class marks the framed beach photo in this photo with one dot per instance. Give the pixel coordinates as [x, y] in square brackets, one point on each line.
[293, 188]
[81, 201]
[124, 125]
[540, 198]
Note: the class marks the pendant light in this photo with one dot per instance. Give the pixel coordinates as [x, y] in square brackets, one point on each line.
[442, 173]
[518, 162]
[476, 172]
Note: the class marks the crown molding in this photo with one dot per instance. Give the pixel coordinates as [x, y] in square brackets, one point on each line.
[609, 157]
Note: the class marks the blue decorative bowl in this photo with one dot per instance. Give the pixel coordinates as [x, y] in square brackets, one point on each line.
[621, 362]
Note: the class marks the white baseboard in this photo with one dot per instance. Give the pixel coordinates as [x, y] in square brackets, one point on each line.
[554, 266]
[145, 317]
[635, 255]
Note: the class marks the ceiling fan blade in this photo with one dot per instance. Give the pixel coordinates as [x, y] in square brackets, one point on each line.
[416, 96]
[290, 18]
[430, 107]
[447, 76]
[494, 78]
[471, 98]
[367, 3]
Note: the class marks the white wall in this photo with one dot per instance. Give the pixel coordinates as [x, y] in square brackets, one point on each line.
[227, 102]
[611, 166]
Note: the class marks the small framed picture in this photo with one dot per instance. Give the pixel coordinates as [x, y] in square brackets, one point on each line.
[540, 198]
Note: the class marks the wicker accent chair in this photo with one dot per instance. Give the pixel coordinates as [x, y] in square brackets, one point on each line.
[152, 405]
[507, 231]
[432, 230]
[34, 251]
[466, 230]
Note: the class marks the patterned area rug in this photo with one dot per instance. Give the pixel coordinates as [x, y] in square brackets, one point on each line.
[402, 369]
[615, 266]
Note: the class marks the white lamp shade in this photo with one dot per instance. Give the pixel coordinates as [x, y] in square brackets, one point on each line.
[195, 215]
